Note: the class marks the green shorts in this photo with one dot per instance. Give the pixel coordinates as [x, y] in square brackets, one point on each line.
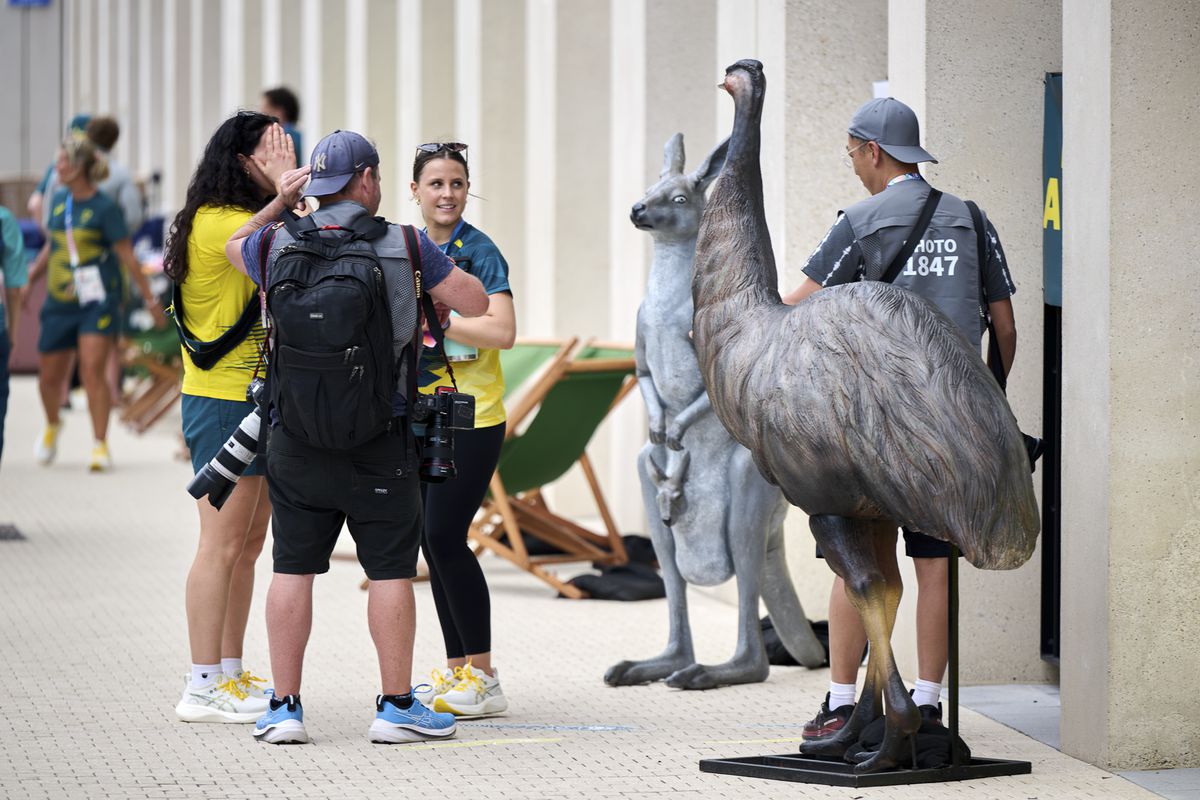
[63, 323]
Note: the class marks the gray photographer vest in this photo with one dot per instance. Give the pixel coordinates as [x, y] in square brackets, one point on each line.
[944, 267]
[392, 253]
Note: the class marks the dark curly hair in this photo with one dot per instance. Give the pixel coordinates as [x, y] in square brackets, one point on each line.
[220, 180]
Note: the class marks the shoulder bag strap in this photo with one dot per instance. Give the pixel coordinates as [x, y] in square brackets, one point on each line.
[994, 361]
[910, 243]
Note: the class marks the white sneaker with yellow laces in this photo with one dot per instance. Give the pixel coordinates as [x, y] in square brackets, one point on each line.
[221, 701]
[442, 681]
[476, 694]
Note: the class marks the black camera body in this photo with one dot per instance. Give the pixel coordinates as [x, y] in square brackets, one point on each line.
[442, 413]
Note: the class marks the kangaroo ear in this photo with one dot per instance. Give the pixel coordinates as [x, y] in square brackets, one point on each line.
[707, 172]
[673, 156]
[656, 473]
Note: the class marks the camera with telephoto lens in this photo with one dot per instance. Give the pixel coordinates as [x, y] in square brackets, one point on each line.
[442, 413]
[218, 477]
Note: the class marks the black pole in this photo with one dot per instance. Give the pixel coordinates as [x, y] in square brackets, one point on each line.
[952, 652]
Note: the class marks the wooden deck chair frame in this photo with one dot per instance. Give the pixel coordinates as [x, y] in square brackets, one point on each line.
[508, 516]
[153, 395]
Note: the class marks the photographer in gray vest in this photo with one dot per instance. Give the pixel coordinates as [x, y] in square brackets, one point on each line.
[342, 300]
[958, 271]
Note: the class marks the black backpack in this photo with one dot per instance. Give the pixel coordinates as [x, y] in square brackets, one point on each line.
[332, 373]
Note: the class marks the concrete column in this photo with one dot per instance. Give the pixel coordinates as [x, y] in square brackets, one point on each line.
[1131, 453]
[271, 42]
[408, 105]
[468, 86]
[381, 51]
[356, 86]
[437, 70]
[628, 263]
[536, 315]
[126, 57]
[311, 76]
[232, 67]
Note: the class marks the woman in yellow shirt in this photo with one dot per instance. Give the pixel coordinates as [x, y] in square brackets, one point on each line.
[469, 685]
[216, 308]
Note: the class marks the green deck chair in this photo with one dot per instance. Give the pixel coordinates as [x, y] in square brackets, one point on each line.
[154, 356]
[571, 399]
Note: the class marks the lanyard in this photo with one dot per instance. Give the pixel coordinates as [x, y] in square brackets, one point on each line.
[72, 250]
[908, 176]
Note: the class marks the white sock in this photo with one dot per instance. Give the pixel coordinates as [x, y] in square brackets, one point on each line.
[841, 694]
[204, 675]
[927, 693]
[232, 667]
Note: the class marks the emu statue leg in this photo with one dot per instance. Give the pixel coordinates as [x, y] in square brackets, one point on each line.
[678, 653]
[751, 511]
[868, 566]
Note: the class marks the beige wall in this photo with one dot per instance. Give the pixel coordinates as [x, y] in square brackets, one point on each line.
[1131, 488]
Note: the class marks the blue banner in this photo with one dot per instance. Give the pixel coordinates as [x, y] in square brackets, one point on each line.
[1052, 191]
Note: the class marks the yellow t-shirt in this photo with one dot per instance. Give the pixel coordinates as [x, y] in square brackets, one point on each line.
[483, 378]
[215, 293]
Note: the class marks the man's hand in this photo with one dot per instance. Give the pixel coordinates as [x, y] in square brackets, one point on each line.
[290, 186]
[280, 155]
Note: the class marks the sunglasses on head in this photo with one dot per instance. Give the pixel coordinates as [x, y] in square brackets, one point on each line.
[437, 147]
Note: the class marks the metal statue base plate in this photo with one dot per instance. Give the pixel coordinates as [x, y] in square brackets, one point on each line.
[806, 769]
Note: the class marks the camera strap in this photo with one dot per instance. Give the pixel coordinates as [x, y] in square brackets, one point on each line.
[425, 309]
[910, 244]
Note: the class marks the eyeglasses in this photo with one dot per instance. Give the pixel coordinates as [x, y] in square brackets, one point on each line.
[849, 152]
[437, 147]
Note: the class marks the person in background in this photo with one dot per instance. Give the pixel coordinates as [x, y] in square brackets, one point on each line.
[283, 104]
[13, 274]
[87, 246]
[218, 306]
[37, 200]
[469, 685]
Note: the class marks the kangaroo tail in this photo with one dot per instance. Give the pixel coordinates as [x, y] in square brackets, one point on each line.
[787, 615]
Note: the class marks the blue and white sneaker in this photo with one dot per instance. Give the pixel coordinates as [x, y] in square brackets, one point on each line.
[395, 725]
[283, 723]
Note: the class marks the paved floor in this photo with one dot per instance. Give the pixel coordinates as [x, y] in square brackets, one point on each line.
[93, 650]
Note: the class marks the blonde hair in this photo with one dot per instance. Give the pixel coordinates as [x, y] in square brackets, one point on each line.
[82, 152]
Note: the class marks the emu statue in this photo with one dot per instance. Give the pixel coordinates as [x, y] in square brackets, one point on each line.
[865, 406]
[711, 514]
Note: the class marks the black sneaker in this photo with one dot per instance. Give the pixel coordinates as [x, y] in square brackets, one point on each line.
[826, 722]
[930, 714]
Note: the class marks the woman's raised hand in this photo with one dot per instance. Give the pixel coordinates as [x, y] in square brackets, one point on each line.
[279, 156]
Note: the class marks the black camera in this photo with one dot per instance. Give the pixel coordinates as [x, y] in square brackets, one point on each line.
[442, 413]
[218, 477]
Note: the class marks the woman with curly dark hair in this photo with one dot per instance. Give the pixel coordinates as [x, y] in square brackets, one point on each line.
[216, 311]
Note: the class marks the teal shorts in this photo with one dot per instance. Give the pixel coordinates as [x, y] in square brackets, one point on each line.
[207, 425]
[63, 323]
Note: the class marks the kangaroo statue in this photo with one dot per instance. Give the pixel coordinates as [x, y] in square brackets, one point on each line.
[712, 516]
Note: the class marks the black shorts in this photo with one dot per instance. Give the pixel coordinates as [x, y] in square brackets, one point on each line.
[373, 490]
[918, 545]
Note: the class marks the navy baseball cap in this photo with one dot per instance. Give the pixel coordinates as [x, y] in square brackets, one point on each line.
[336, 159]
[893, 126]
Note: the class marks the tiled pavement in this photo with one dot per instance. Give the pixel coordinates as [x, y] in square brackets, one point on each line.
[93, 650]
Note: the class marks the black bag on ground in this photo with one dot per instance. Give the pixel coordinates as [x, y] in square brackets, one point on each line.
[333, 373]
[627, 582]
[933, 746]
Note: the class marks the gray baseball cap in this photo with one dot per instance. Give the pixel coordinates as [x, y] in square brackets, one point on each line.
[894, 126]
[336, 159]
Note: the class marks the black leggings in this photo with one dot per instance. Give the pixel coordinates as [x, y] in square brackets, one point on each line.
[459, 589]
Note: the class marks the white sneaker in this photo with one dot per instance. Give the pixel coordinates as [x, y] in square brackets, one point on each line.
[222, 701]
[46, 447]
[476, 694]
[443, 681]
[101, 461]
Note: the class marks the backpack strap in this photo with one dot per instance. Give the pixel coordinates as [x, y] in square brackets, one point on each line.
[995, 361]
[910, 244]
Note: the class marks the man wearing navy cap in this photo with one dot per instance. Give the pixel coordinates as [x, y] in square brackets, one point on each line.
[883, 147]
[372, 487]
